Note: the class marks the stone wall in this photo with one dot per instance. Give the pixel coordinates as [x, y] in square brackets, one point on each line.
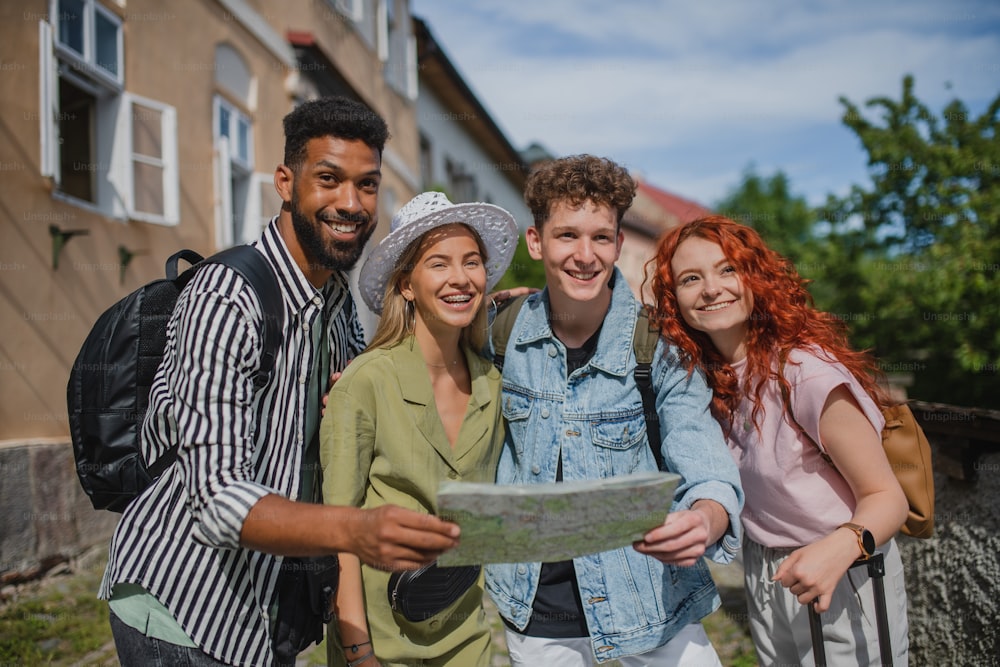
[953, 578]
[45, 516]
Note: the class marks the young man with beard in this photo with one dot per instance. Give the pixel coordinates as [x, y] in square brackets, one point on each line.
[574, 412]
[195, 561]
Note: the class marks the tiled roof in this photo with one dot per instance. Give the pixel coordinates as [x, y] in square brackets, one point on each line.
[654, 210]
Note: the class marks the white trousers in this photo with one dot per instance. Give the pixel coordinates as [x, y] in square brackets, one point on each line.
[779, 624]
[689, 648]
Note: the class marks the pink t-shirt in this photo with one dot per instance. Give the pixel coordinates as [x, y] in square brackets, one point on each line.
[793, 496]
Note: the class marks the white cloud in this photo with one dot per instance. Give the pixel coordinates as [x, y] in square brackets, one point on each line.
[634, 77]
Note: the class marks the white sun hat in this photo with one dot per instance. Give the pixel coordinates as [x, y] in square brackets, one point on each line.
[424, 212]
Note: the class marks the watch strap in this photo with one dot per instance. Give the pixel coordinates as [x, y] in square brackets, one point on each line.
[859, 533]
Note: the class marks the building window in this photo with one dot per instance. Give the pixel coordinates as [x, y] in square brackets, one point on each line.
[234, 174]
[426, 162]
[236, 127]
[352, 9]
[241, 195]
[89, 37]
[461, 183]
[149, 159]
[396, 48]
[76, 129]
[104, 148]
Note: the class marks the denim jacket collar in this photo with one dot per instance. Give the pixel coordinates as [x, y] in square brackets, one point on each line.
[613, 350]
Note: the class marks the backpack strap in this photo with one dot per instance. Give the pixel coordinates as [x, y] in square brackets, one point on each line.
[255, 269]
[644, 342]
[251, 264]
[190, 256]
[503, 325]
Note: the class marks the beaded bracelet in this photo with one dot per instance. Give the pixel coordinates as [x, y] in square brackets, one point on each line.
[354, 647]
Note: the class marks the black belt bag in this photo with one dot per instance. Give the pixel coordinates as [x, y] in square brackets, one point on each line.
[306, 587]
[419, 594]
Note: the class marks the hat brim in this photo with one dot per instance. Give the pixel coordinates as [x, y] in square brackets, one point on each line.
[495, 226]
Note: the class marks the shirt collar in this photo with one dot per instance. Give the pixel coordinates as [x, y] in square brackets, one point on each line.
[415, 381]
[299, 292]
[613, 348]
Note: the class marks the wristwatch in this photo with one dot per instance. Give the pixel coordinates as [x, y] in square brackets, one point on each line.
[865, 538]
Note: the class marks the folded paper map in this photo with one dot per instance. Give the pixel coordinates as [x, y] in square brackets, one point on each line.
[552, 522]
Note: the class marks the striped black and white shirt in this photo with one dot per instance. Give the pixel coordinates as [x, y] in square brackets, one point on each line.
[180, 539]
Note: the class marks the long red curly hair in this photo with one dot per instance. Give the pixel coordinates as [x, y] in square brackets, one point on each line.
[783, 318]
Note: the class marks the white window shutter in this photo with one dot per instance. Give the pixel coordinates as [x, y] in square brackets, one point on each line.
[223, 194]
[259, 207]
[412, 79]
[351, 8]
[48, 103]
[382, 29]
[156, 157]
[171, 168]
[119, 176]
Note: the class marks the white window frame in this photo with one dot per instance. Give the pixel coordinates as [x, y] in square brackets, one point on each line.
[254, 210]
[412, 79]
[122, 170]
[218, 103]
[352, 9]
[222, 166]
[257, 213]
[114, 192]
[382, 29]
[226, 163]
[87, 61]
[48, 102]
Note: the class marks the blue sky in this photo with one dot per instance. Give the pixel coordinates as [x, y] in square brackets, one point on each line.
[688, 94]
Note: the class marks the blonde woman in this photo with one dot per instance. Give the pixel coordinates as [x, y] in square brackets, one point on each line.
[419, 406]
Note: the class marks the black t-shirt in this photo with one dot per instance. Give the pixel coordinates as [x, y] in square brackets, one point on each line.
[557, 611]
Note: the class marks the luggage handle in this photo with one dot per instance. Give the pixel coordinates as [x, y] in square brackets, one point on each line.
[876, 571]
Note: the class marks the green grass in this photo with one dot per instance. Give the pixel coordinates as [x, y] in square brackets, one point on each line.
[60, 621]
[57, 621]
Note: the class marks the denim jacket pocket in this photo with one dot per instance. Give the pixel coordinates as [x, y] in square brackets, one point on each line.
[618, 431]
[619, 443]
[516, 407]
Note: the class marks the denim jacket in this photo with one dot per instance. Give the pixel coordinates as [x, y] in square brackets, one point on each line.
[632, 603]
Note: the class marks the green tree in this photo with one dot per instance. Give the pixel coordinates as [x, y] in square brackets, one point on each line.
[523, 271]
[786, 222]
[767, 204]
[920, 247]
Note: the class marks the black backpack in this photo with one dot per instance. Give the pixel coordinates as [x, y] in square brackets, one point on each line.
[644, 341]
[109, 384]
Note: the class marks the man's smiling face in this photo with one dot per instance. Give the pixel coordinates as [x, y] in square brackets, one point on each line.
[334, 202]
[578, 246]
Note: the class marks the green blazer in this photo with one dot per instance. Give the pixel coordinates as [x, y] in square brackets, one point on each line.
[382, 442]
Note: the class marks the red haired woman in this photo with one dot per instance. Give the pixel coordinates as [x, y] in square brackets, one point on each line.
[741, 312]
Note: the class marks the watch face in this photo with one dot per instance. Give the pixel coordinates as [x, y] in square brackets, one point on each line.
[868, 541]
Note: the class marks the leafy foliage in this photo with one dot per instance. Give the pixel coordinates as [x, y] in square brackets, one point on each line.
[921, 245]
[524, 271]
[910, 260]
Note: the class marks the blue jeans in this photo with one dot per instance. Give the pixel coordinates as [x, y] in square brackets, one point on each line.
[137, 650]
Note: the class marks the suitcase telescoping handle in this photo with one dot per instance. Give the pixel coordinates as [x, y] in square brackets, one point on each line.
[876, 571]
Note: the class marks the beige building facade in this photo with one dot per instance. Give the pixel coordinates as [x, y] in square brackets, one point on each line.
[136, 128]
[130, 129]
